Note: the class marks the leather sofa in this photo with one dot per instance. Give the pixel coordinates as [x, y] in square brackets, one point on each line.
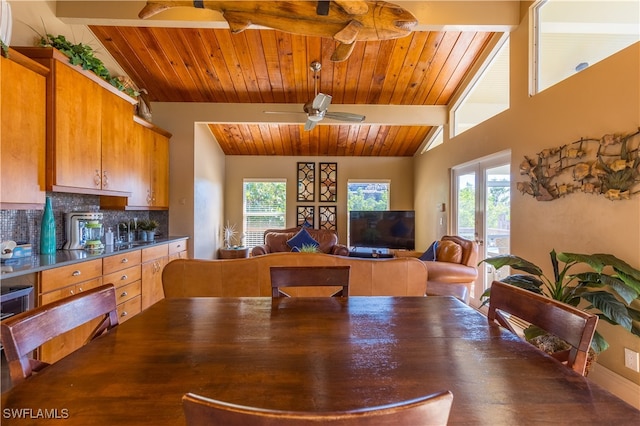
[249, 277]
[275, 241]
[455, 269]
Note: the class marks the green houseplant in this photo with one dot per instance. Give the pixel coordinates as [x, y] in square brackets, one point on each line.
[609, 287]
[83, 55]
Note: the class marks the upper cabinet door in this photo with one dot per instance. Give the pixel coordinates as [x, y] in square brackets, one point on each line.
[118, 149]
[22, 135]
[160, 171]
[76, 152]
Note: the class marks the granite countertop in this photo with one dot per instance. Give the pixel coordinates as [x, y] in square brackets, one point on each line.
[27, 265]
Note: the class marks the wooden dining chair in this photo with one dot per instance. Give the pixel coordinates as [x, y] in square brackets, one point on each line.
[430, 410]
[574, 326]
[23, 333]
[309, 276]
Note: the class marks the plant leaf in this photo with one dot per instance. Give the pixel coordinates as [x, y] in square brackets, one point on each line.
[598, 343]
[528, 282]
[514, 262]
[610, 307]
[630, 280]
[599, 260]
[595, 280]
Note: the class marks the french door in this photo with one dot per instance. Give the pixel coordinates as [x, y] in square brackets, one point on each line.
[481, 194]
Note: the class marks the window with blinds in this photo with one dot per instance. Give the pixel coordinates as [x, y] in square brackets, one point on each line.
[264, 207]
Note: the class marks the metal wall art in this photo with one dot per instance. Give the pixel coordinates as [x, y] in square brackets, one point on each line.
[327, 217]
[306, 181]
[306, 216]
[329, 182]
[609, 166]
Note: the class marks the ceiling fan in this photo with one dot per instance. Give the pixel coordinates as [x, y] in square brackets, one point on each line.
[316, 109]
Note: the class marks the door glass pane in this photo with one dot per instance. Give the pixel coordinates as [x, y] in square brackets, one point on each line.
[497, 217]
[466, 211]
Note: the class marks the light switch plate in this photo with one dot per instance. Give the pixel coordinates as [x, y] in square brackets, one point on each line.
[632, 359]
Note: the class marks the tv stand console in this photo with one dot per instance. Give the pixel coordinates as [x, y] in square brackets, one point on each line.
[371, 254]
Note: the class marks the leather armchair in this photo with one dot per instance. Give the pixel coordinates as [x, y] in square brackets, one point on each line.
[275, 241]
[454, 271]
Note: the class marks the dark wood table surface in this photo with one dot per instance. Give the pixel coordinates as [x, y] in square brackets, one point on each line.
[311, 354]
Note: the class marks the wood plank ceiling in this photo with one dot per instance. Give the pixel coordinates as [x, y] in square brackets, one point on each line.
[268, 66]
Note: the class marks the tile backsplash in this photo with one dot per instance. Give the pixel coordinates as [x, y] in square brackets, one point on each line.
[23, 226]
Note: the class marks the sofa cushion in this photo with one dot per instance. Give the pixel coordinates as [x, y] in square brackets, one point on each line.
[302, 238]
[449, 251]
[430, 253]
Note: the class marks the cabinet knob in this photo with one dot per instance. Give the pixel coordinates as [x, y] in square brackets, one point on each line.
[76, 273]
[124, 294]
[105, 179]
[80, 290]
[124, 314]
[97, 179]
[124, 277]
[125, 260]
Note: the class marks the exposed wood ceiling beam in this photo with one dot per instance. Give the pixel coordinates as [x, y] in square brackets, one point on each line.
[470, 15]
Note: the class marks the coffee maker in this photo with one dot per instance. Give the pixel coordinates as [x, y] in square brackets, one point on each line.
[84, 231]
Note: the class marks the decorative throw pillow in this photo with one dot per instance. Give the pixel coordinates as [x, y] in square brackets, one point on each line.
[430, 254]
[302, 238]
[449, 251]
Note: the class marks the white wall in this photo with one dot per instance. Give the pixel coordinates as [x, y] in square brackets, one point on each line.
[399, 170]
[196, 177]
[604, 98]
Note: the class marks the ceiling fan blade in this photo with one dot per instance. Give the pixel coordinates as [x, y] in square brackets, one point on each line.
[321, 102]
[310, 124]
[283, 112]
[345, 116]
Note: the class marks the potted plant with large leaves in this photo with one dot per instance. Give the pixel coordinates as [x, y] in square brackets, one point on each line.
[609, 287]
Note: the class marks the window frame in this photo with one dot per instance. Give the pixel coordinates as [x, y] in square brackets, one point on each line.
[245, 232]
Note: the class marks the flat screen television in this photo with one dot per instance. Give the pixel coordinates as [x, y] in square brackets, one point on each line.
[392, 229]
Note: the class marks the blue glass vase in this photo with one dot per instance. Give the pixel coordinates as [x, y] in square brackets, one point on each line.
[48, 230]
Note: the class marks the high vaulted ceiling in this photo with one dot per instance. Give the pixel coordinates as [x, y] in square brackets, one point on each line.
[403, 86]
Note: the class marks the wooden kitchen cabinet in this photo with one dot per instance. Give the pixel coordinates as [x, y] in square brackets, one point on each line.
[152, 184]
[136, 275]
[61, 282]
[22, 132]
[125, 273]
[154, 259]
[118, 161]
[150, 174]
[178, 250]
[77, 103]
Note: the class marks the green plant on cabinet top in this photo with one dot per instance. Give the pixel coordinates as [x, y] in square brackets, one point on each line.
[81, 54]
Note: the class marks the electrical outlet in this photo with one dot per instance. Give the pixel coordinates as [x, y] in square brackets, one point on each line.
[632, 359]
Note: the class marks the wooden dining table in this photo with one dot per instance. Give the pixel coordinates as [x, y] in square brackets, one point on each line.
[319, 354]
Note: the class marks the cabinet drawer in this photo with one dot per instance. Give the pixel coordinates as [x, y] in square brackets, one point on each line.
[60, 293]
[118, 262]
[155, 252]
[65, 276]
[124, 277]
[177, 246]
[129, 309]
[128, 292]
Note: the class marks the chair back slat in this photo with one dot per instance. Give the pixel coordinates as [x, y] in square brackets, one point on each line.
[431, 410]
[574, 326]
[25, 332]
[309, 276]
